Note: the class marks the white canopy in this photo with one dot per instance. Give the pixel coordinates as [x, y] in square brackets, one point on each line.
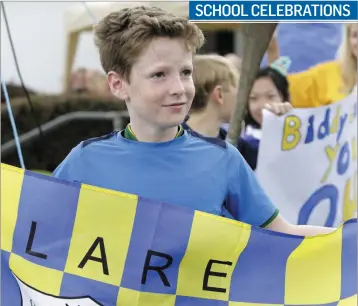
[81, 17]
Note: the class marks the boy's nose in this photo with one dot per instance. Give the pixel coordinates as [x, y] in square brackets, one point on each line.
[177, 87]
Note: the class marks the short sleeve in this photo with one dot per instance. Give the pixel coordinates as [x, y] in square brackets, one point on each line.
[246, 200]
[70, 167]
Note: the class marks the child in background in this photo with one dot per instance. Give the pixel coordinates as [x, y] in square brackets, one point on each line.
[216, 80]
[147, 55]
[270, 87]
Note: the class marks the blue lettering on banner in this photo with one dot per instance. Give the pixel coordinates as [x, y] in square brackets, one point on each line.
[343, 159]
[325, 192]
[312, 10]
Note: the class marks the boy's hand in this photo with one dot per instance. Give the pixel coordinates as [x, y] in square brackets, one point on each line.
[279, 108]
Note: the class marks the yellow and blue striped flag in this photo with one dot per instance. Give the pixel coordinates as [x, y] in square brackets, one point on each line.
[66, 244]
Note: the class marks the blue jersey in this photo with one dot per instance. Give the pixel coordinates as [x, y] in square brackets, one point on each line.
[201, 173]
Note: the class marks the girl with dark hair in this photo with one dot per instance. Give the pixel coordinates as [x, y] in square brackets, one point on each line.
[270, 86]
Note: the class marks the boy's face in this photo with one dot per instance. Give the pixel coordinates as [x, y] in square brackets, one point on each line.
[161, 89]
[230, 98]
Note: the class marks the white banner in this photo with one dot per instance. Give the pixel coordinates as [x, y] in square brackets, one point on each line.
[307, 162]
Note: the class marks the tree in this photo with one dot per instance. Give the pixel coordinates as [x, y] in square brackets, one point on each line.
[256, 38]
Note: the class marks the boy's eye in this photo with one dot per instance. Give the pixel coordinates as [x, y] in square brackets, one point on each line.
[187, 72]
[158, 75]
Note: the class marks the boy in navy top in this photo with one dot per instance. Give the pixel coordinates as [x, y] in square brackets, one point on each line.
[216, 86]
[147, 55]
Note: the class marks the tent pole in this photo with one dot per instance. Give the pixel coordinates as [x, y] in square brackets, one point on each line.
[255, 40]
[72, 40]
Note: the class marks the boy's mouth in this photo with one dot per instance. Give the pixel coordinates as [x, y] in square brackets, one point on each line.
[174, 104]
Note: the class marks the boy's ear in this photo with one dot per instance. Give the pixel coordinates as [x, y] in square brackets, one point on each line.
[217, 95]
[118, 85]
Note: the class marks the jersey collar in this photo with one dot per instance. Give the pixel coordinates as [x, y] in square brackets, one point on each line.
[129, 134]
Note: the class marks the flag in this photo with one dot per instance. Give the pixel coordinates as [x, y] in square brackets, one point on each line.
[67, 244]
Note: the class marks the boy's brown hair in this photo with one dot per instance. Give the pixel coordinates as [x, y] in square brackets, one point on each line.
[121, 36]
[210, 71]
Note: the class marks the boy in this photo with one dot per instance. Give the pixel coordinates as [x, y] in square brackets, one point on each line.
[147, 56]
[216, 81]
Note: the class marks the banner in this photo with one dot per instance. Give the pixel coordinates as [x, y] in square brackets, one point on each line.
[66, 244]
[307, 163]
[273, 11]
